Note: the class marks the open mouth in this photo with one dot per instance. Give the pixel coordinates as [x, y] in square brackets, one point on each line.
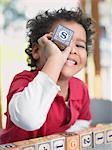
[73, 62]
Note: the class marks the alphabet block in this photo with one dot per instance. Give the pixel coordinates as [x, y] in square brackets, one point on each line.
[62, 36]
[20, 145]
[72, 141]
[85, 139]
[9, 146]
[108, 133]
[98, 135]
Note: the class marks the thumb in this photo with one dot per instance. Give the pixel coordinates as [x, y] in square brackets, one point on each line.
[66, 53]
[68, 49]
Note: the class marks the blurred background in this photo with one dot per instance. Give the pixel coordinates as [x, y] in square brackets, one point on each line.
[13, 16]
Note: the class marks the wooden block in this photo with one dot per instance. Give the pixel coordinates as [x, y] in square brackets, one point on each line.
[28, 147]
[85, 139]
[62, 36]
[21, 143]
[15, 145]
[44, 146]
[108, 133]
[9, 146]
[57, 142]
[98, 135]
[72, 141]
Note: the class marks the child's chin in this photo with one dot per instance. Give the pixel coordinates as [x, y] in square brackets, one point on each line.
[67, 74]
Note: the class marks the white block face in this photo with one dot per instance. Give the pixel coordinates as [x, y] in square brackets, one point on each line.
[44, 146]
[6, 146]
[99, 138]
[58, 144]
[29, 148]
[62, 36]
[86, 141]
[109, 136]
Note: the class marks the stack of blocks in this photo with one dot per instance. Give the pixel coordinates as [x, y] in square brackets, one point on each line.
[85, 139]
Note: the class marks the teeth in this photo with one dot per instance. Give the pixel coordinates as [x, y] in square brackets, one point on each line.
[71, 61]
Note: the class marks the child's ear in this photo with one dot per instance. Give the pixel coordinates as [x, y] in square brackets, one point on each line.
[35, 51]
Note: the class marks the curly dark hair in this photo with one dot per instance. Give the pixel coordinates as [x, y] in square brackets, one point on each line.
[42, 23]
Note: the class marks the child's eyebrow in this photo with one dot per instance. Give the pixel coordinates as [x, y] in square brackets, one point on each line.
[81, 40]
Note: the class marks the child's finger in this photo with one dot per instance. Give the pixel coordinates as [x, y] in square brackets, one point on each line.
[67, 50]
[44, 39]
[48, 35]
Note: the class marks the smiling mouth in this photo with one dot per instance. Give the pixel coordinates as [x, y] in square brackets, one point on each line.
[72, 62]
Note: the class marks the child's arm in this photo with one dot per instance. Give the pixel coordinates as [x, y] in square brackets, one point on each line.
[41, 92]
[28, 109]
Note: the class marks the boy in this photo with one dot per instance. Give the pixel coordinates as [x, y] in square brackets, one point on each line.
[48, 99]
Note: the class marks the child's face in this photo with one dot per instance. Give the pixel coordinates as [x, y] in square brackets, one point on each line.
[78, 55]
[78, 52]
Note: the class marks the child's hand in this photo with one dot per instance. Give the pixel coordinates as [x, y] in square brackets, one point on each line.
[50, 49]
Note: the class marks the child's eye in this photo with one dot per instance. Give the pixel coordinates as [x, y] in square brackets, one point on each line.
[80, 46]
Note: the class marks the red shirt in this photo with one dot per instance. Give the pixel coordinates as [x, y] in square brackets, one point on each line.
[57, 116]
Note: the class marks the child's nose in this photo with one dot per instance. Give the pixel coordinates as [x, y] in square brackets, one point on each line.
[74, 50]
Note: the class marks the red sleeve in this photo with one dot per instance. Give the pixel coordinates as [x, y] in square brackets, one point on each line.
[19, 82]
